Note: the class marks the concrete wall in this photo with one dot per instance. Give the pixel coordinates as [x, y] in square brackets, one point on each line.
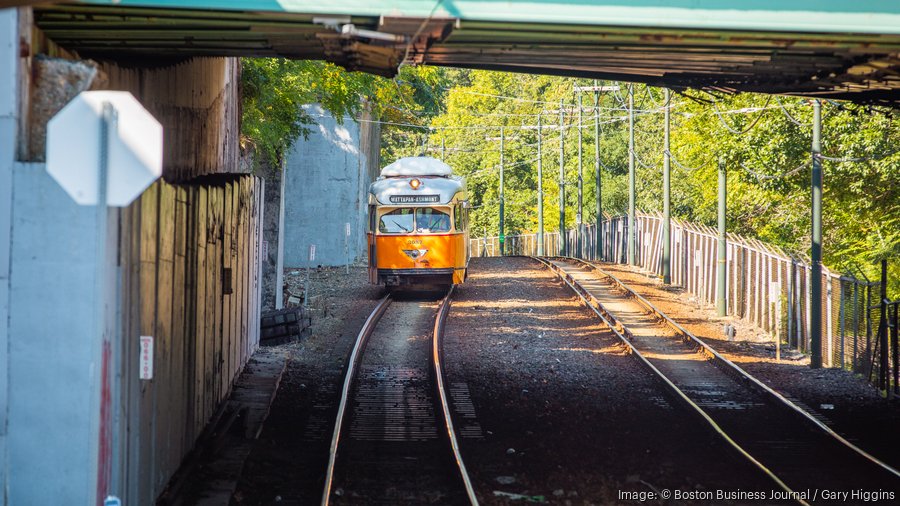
[194, 99]
[76, 422]
[56, 365]
[8, 125]
[175, 242]
[326, 182]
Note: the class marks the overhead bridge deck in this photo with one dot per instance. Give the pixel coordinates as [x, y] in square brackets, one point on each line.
[842, 50]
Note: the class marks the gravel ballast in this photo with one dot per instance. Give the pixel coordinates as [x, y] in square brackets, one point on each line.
[842, 399]
[568, 415]
[287, 464]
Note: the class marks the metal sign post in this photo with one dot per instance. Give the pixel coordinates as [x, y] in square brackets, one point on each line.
[104, 149]
[347, 244]
[311, 258]
[102, 408]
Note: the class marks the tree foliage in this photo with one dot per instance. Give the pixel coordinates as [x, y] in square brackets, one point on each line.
[764, 143]
[274, 89]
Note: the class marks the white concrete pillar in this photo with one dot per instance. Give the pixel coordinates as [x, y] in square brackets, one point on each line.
[9, 35]
[279, 262]
[51, 353]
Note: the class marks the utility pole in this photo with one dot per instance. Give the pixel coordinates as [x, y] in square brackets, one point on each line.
[540, 176]
[667, 201]
[597, 89]
[579, 235]
[502, 199]
[631, 177]
[442, 145]
[598, 230]
[722, 259]
[815, 313]
[563, 251]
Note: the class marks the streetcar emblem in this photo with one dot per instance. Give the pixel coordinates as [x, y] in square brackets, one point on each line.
[415, 254]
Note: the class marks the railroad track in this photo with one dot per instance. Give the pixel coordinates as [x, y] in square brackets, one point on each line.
[803, 457]
[394, 441]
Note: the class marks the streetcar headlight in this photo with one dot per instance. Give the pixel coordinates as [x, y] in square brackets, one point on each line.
[415, 183]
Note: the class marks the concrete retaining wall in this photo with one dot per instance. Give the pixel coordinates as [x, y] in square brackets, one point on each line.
[56, 365]
[181, 264]
[326, 182]
[173, 246]
[8, 126]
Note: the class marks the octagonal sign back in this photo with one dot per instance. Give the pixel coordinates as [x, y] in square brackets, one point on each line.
[134, 148]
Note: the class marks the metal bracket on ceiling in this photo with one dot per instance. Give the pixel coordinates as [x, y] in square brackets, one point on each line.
[333, 22]
[348, 30]
[398, 39]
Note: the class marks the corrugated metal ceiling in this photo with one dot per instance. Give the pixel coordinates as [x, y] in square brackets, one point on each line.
[863, 67]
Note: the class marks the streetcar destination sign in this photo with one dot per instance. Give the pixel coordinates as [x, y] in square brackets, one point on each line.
[415, 199]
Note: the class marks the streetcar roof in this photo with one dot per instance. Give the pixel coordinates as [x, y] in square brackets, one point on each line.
[430, 190]
[417, 166]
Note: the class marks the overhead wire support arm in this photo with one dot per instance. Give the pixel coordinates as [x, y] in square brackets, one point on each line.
[858, 159]
[733, 130]
[788, 115]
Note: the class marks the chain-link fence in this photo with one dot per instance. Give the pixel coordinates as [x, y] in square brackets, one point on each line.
[764, 284]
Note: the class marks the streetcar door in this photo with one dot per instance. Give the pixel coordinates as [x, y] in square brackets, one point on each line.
[373, 254]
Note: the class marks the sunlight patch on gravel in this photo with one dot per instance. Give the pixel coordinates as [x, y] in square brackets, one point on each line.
[681, 357]
[607, 350]
[515, 304]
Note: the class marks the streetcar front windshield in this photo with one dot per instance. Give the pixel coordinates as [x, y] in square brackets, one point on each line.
[430, 220]
[398, 221]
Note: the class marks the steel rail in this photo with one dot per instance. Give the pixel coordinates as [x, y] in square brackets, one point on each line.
[437, 354]
[732, 368]
[352, 363]
[437, 369]
[620, 331]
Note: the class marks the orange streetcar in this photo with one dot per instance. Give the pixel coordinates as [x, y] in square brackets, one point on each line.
[418, 225]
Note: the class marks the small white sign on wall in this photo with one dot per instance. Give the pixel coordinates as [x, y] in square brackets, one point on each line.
[312, 252]
[347, 229]
[774, 291]
[146, 363]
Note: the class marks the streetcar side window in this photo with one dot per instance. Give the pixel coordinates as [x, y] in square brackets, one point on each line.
[432, 220]
[458, 214]
[372, 218]
[398, 221]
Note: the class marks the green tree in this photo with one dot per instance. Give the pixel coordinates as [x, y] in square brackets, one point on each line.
[763, 141]
[274, 89]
